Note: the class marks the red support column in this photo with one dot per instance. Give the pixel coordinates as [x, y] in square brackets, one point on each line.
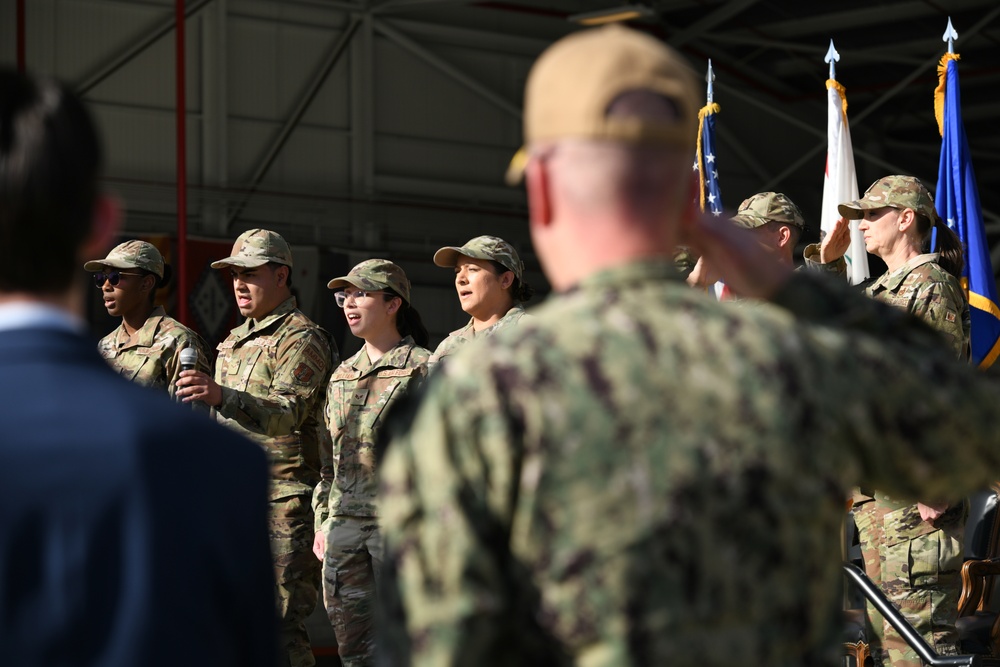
[182, 286]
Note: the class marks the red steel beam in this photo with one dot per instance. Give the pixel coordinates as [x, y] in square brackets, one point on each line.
[182, 286]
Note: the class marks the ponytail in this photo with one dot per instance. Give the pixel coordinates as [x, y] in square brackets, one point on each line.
[519, 291]
[160, 282]
[408, 321]
[168, 273]
[949, 247]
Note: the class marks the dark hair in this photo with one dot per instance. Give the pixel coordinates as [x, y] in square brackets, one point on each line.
[519, 291]
[168, 273]
[949, 245]
[408, 320]
[277, 265]
[50, 158]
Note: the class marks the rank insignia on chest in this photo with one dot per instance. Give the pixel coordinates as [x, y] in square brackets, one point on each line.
[359, 396]
[949, 316]
[303, 373]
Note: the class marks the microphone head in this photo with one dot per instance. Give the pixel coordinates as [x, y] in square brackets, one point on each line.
[188, 359]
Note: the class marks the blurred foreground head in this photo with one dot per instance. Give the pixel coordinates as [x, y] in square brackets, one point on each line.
[50, 159]
[610, 124]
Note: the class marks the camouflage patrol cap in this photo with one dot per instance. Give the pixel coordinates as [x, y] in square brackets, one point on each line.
[491, 248]
[375, 274]
[573, 83]
[765, 207]
[257, 247]
[130, 255]
[894, 191]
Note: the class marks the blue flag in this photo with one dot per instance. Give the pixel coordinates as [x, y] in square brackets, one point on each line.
[957, 202]
[708, 175]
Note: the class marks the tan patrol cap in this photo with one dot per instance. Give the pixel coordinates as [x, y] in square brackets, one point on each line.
[765, 207]
[375, 274]
[896, 191]
[492, 248]
[257, 247]
[130, 255]
[573, 83]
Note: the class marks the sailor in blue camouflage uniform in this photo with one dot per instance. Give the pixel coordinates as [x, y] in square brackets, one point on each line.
[641, 475]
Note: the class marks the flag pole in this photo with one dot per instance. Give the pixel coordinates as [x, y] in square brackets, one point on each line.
[840, 182]
[710, 79]
[832, 57]
[950, 36]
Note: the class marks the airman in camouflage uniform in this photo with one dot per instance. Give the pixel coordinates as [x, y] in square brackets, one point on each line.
[491, 249]
[269, 380]
[148, 354]
[360, 393]
[916, 563]
[640, 475]
[776, 222]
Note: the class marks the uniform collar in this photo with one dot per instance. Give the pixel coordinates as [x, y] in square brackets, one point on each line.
[255, 326]
[891, 281]
[394, 358]
[468, 332]
[624, 275]
[146, 334]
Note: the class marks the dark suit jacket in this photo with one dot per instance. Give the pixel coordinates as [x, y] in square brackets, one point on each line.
[133, 531]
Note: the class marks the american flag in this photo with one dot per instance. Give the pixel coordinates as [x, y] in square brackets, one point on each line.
[705, 165]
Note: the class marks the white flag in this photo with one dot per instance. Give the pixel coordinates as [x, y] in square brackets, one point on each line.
[841, 182]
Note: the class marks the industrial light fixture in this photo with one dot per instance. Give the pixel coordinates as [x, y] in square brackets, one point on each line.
[613, 15]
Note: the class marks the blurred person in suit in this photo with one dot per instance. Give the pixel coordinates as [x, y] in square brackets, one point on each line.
[114, 551]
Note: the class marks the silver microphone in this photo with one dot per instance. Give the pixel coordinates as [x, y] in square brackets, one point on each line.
[189, 359]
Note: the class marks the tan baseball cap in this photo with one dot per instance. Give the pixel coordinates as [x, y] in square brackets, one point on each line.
[765, 207]
[375, 274]
[257, 247]
[130, 255]
[573, 83]
[492, 248]
[896, 191]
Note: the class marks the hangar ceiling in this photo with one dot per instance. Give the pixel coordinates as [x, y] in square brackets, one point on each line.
[386, 125]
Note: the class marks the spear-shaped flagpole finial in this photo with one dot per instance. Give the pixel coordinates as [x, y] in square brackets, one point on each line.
[950, 36]
[832, 57]
[710, 78]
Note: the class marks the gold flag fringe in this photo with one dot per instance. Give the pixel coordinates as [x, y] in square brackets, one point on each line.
[833, 83]
[939, 91]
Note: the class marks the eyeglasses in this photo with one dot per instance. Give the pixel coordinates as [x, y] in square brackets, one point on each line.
[342, 297]
[112, 277]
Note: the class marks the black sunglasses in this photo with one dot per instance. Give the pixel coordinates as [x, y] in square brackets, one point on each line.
[112, 277]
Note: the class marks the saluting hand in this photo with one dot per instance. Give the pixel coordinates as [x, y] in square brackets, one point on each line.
[836, 243]
[197, 386]
[749, 268]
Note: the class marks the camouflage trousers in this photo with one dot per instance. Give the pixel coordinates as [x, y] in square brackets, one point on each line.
[918, 567]
[296, 573]
[353, 563]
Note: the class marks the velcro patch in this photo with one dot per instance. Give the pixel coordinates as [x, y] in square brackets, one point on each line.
[313, 354]
[949, 316]
[303, 373]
